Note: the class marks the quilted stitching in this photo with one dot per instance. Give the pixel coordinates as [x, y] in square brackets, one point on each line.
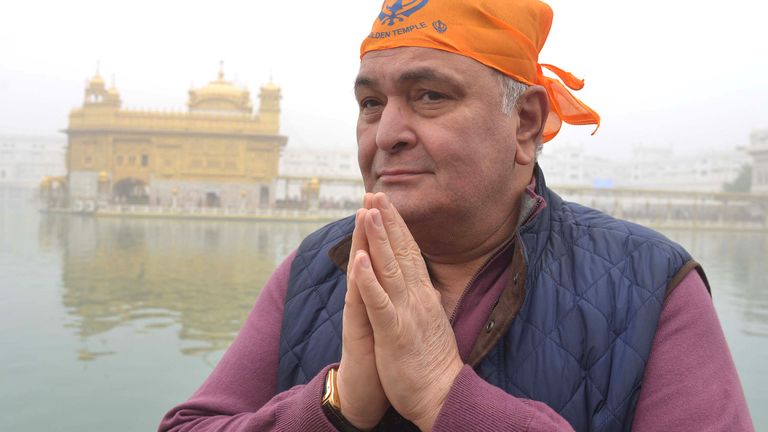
[318, 326]
[314, 298]
[571, 231]
[581, 298]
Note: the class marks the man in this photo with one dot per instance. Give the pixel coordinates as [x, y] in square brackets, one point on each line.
[472, 297]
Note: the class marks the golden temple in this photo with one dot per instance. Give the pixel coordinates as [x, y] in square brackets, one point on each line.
[218, 153]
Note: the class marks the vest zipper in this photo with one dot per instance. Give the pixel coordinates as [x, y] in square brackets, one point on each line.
[466, 288]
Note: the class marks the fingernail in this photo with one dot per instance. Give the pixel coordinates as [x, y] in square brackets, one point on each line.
[376, 215]
[365, 261]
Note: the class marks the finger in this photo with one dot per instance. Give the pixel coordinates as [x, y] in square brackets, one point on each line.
[381, 311]
[368, 201]
[359, 240]
[382, 254]
[355, 324]
[397, 230]
[406, 249]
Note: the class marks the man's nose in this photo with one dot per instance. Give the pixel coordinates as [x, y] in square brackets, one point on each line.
[395, 131]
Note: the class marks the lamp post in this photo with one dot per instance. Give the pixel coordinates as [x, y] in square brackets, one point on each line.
[311, 193]
[103, 187]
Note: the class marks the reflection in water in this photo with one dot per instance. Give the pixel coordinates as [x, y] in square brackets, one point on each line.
[201, 275]
[735, 264]
[86, 355]
[205, 275]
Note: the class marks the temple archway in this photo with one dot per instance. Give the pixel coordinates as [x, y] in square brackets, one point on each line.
[131, 191]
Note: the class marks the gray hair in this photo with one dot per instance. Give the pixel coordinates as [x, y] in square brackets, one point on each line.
[511, 90]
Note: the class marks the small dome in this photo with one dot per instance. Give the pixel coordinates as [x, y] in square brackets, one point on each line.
[96, 82]
[96, 92]
[97, 79]
[270, 86]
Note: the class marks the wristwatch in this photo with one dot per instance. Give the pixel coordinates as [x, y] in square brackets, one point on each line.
[332, 405]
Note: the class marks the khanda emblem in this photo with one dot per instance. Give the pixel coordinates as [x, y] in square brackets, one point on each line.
[399, 10]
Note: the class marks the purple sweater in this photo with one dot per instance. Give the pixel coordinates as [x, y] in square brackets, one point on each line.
[690, 381]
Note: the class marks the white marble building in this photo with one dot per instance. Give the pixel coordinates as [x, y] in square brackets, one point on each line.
[759, 152]
[26, 160]
[649, 168]
[567, 164]
[335, 169]
[652, 168]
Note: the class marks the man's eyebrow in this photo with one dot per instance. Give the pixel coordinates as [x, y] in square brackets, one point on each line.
[426, 74]
[415, 75]
[364, 81]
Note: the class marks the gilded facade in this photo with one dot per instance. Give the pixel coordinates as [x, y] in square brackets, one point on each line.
[217, 153]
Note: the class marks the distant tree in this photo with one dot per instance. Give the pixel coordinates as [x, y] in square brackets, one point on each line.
[742, 183]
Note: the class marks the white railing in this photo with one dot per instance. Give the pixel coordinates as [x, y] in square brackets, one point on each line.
[224, 213]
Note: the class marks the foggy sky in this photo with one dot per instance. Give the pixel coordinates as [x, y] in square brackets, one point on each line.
[687, 75]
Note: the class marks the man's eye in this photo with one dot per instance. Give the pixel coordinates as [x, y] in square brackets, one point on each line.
[431, 96]
[369, 104]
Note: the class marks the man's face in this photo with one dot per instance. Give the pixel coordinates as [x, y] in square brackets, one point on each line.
[431, 134]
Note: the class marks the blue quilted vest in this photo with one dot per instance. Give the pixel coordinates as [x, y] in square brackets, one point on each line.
[594, 291]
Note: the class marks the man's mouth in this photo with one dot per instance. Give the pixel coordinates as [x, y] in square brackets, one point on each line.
[399, 174]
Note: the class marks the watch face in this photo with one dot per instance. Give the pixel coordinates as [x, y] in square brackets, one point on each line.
[327, 392]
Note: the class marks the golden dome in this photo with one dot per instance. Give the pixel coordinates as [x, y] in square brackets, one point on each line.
[220, 88]
[220, 95]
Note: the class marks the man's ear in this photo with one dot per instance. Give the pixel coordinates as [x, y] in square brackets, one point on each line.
[532, 112]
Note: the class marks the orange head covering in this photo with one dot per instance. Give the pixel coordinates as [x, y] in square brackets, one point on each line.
[506, 35]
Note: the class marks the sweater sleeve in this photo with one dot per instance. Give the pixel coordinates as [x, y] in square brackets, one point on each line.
[691, 382]
[475, 405]
[239, 395]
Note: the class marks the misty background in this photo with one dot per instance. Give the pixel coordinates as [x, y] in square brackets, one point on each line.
[690, 76]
